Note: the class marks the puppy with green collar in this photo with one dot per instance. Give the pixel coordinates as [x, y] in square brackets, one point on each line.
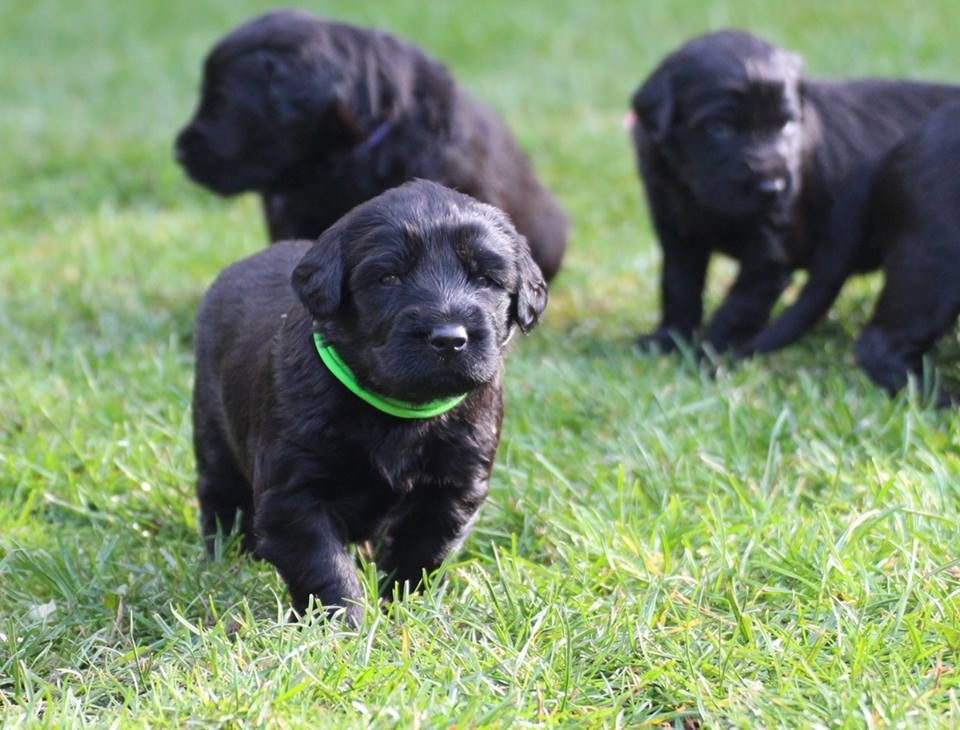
[349, 390]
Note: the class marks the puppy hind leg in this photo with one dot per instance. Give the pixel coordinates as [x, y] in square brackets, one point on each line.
[222, 490]
[223, 493]
[881, 358]
[911, 314]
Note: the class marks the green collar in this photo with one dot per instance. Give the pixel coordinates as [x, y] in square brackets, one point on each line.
[390, 406]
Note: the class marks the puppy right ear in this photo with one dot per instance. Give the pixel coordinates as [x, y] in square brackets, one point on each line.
[530, 299]
[318, 279]
[653, 104]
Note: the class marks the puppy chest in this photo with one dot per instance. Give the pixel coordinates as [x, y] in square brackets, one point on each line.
[377, 474]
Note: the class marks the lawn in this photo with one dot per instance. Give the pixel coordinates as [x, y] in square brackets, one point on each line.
[775, 546]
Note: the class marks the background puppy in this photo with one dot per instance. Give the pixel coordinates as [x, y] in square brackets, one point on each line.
[741, 154]
[913, 221]
[417, 291]
[318, 117]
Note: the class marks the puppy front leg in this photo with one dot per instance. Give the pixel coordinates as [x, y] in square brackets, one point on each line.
[836, 259]
[813, 302]
[681, 294]
[436, 524]
[747, 306]
[301, 538]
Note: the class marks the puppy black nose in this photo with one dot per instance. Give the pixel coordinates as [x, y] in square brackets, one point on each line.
[180, 146]
[448, 338]
[186, 144]
[772, 186]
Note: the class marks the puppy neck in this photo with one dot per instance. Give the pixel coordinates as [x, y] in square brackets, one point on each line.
[391, 406]
[375, 137]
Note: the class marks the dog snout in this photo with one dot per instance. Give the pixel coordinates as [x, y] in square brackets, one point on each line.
[186, 140]
[773, 186]
[448, 339]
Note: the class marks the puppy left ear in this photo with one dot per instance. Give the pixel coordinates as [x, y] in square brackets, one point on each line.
[318, 279]
[530, 299]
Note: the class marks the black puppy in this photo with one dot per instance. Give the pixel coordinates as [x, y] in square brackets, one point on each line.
[365, 402]
[318, 117]
[741, 154]
[912, 220]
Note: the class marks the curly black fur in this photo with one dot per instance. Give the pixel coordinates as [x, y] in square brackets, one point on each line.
[739, 153]
[310, 465]
[912, 220]
[318, 117]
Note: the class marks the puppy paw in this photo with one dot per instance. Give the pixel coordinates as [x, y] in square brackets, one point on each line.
[658, 342]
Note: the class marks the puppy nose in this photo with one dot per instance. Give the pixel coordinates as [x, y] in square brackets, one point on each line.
[180, 146]
[772, 186]
[187, 142]
[448, 338]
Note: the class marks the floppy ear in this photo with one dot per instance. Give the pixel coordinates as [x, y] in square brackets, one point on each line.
[302, 96]
[319, 277]
[530, 298]
[653, 103]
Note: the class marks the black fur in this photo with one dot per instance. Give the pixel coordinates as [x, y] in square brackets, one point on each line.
[912, 220]
[739, 153]
[318, 117]
[311, 466]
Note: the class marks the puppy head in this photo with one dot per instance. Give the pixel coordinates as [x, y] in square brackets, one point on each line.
[270, 106]
[419, 289]
[724, 111]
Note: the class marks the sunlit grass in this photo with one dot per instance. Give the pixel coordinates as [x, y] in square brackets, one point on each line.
[775, 546]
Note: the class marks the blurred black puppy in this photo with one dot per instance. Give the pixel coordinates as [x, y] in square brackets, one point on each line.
[741, 154]
[318, 117]
[297, 418]
[912, 221]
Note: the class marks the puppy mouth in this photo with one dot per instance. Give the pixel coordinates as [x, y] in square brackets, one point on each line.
[439, 364]
[204, 166]
[204, 169]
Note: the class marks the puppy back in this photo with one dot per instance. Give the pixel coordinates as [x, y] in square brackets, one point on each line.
[246, 302]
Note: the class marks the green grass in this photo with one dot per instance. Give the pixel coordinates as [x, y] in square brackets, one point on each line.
[777, 546]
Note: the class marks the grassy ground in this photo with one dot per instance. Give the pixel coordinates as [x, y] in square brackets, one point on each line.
[777, 546]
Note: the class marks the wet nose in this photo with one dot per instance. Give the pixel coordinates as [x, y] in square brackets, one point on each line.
[186, 142]
[772, 186]
[179, 147]
[448, 339]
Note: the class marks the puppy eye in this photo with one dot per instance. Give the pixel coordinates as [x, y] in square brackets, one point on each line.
[485, 281]
[719, 128]
[390, 280]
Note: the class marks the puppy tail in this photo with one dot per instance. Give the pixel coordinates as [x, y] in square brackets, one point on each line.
[833, 264]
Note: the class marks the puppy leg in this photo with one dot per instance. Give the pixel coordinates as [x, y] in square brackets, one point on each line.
[918, 304]
[846, 250]
[747, 306]
[815, 299]
[221, 490]
[299, 536]
[681, 293]
[222, 493]
[436, 524]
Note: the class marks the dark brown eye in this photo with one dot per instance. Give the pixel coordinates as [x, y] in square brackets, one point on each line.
[720, 129]
[484, 281]
[390, 280]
